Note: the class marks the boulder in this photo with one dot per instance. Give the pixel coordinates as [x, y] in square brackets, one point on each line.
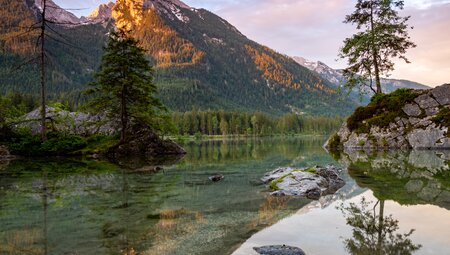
[431, 137]
[442, 94]
[311, 182]
[279, 250]
[412, 110]
[426, 101]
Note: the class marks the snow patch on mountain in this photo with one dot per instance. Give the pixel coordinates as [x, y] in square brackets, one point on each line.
[335, 76]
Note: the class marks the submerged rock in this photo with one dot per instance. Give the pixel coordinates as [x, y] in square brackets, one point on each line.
[311, 183]
[279, 250]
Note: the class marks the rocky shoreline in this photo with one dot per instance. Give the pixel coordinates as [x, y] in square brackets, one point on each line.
[421, 123]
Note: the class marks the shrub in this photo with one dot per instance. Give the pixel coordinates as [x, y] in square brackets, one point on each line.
[57, 144]
[382, 110]
[335, 142]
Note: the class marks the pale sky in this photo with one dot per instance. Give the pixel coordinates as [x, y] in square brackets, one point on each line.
[314, 30]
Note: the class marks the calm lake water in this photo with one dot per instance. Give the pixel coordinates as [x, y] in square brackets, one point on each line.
[94, 207]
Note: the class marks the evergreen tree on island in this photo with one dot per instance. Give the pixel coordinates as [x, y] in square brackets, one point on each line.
[383, 35]
[123, 85]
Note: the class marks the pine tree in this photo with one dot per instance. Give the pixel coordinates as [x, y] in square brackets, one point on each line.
[123, 85]
[382, 36]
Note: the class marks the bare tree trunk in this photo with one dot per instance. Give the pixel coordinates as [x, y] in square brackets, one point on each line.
[380, 227]
[375, 52]
[43, 104]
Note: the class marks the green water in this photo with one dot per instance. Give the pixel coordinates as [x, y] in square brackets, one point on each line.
[94, 207]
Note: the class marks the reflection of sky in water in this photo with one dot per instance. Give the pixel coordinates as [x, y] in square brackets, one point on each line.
[322, 231]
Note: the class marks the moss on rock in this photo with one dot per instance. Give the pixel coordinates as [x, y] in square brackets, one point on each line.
[382, 110]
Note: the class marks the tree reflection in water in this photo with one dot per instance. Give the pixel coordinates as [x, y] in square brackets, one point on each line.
[375, 234]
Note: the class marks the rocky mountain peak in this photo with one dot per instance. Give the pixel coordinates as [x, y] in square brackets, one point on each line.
[129, 13]
[102, 12]
[55, 13]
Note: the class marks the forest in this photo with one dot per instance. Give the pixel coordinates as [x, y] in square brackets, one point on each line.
[251, 124]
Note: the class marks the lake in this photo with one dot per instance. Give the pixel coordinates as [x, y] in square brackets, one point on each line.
[76, 206]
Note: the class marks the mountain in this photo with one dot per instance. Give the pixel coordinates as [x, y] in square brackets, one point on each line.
[201, 60]
[335, 76]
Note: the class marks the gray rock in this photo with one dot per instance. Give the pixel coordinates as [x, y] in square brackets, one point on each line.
[414, 131]
[414, 186]
[279, 250]
[413, 121]
[344, 132]
[431, 137]
[432, 111]
[275, 174]
[311, 183]
[76, 123]
[412, 110]
[425, 101]
[431, 191]
[442, 94]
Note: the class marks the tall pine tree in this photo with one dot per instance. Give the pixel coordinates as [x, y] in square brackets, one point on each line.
[123, 85]
[383, 35]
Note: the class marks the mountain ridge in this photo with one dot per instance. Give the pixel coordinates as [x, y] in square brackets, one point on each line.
[335, 76]
[201, 62]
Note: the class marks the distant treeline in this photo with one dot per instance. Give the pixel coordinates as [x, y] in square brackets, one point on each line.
[257, 124]
[198, 122]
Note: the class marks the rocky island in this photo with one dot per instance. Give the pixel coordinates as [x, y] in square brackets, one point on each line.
[404, 119]
[311, 183]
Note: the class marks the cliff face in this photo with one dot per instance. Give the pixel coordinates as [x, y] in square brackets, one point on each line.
[405, 119]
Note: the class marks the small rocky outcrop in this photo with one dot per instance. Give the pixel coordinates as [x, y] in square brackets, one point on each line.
[76, 123]
[311, 182]
[145, 143]
[279, 250]
[405, 119]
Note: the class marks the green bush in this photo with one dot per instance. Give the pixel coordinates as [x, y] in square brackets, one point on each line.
[27, 144]
[382, 110]
[335, 142]
[59, 144]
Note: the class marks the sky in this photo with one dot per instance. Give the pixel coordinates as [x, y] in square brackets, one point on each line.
[314, 30]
